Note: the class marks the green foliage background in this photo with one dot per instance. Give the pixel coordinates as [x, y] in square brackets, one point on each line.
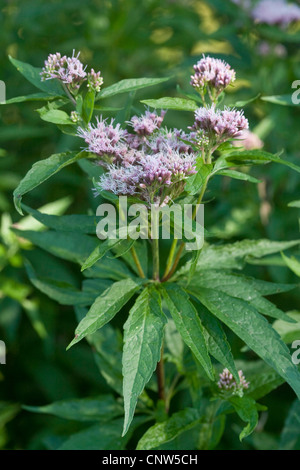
[126, 39]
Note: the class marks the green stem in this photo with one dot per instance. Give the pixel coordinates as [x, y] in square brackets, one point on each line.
[155, 255]
[160, 373]
[170, 257]
[168, 274]
[137, 262]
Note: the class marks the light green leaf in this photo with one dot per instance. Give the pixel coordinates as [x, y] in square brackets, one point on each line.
[195, 182]
[294, 204]
[292, 263]
[168, 430]
[188, 324]
[254, 330]
[143, 335]
[88, 106]
[127, 85]
[238, 175]
[105, 308]
[179, 104]
[41, 171]
[56, 116]
[283, 100]
[101, 408]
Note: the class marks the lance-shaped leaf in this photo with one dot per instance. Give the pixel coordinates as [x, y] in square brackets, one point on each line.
[216, 339]
[105, 308]
[179, 104]
[143, 335]
[101, 408]
[189, 325]
[41, 171]
[168, 430]
[290, 437]
[257, 157]
[127, 85]
[254, 330]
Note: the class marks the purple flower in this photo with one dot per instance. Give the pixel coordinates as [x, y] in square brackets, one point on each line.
[212, 74]
[69, 70]
[227, 382]
[104, 139]
[149, 175]
[276, 12]
[219, 126]
[94, 80]
[171, 141]
[147, 123]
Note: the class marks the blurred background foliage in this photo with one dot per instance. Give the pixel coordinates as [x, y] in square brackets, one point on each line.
[126, 39]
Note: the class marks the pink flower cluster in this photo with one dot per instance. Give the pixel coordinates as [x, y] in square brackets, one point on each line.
[276, 12]
[104, 139]
[227, 382]
[219, 126]
[70, 71]
[212, 74]
[147, 123]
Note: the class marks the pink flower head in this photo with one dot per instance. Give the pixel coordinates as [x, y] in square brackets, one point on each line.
[276, 12]
[227, 382]
[69, 70]
[94, 80]
[213, 73]
[147, 123]
[104, 139]
[218, 125]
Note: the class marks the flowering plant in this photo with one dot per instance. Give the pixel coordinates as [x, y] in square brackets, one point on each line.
[177, 305]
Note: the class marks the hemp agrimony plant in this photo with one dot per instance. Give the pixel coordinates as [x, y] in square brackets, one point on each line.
[177, 305]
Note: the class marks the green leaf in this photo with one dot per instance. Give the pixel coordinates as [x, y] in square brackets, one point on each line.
[67, 223]
[71, 246]
[241, 287]
[56, 116]
[216, 339]
[105, 308]
[257, 157]
[235, 255]
[88, 106]
[292, 263]
[143, 336]
[63, 293]
[168, 430]
[32, 97]
[101, 249]
[195, 182]
[131, 84]
[283, 100]
[238, 176]
[290, 437]
[101, 408]
[254, 330]
[179, 104]
[106, 436]
[188, 323]
[243, 103]
[294, 204]
[246, 409]
[7, 412]
[32, 74]
[41, 171]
